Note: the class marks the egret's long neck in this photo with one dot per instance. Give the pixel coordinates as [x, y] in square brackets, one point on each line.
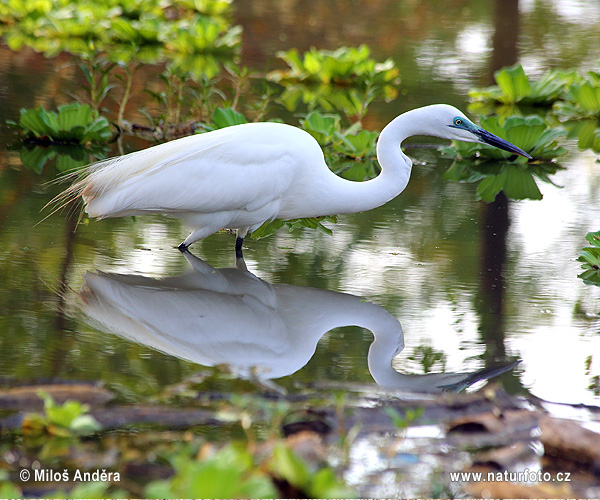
[345, 196]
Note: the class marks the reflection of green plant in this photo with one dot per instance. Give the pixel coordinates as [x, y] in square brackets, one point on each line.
[231, 472]
[66, 420]
[590, 256]
[428, 357]
[402, 421]
[269, 227]
[67, 157]
[72, 124]
[285, 464]
[228, 473]
[587, 133]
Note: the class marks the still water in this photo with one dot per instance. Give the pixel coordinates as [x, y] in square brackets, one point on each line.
[471, 284]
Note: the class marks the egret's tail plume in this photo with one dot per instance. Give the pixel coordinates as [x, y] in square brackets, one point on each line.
[80, 184]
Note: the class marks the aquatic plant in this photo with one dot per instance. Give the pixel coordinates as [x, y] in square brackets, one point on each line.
[66, 420]
[580, 112]
[497, 170]
[582, 99]
[228, 473]
[514, 87]
[73, 123]
[232, 472]
[68, 157]
[590, 258]
[530, 133]
[346, 79]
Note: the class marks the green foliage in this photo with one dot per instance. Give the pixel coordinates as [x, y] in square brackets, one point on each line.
[269, 227]
[590, 258]
[402, 421]
[72, 124]
[514, 87]
[68, 157]
[529, 133]
[53, 26]
[581, 112]
[428, 357]
[226, 117]
[343, 66]
[508, 173]
[323, 127]
[229, 473]
[66, 420]
[345, 80]
[323, 483]
[582, 99]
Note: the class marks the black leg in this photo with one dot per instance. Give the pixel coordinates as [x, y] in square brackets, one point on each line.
[183, 247]
[238, 248]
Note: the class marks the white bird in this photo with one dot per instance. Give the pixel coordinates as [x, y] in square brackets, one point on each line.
[260, 330]
[242, 176]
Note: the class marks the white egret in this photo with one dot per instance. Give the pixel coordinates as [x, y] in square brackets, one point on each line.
[230, 316]
[242, 176]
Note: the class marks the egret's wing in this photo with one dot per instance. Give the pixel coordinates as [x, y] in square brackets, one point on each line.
[240, 168]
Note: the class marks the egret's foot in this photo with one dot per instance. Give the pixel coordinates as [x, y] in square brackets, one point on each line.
[183, 247]
[238, 248]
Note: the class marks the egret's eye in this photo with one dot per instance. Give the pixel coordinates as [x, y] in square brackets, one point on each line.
[458, 122]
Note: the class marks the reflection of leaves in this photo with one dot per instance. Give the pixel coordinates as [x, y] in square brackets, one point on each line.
[516, 181]
[590, 256]
[587, 133]
[286, 465]
[512, 174]
[428, 357]
[269, 227]
[228, 473]
[67, 157]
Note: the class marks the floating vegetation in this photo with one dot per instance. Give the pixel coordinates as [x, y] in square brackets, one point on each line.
[590, 258]
[346, 79]
[74, 123]
[54, 26]
[530, 133]
[514, 87]
[511, 174]
[580, 112]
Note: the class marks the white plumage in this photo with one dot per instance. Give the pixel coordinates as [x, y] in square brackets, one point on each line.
[241, 176]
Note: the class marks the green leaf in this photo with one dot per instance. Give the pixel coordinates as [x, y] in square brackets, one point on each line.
[321, 126]
[590, 258]
[519, 184]
[226, 117]
[287, 465]
[513, 83]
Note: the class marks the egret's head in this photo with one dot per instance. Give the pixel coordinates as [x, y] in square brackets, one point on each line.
[460, 128]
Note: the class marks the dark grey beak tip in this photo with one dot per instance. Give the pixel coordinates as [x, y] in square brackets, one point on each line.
[493, 140]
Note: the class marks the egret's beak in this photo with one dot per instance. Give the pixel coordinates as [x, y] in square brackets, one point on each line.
[493, 140]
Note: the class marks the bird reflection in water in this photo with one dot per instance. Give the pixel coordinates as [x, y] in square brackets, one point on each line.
[230, 316]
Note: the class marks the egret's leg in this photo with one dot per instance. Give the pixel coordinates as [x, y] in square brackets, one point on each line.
[199, 234]
[239, 241]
